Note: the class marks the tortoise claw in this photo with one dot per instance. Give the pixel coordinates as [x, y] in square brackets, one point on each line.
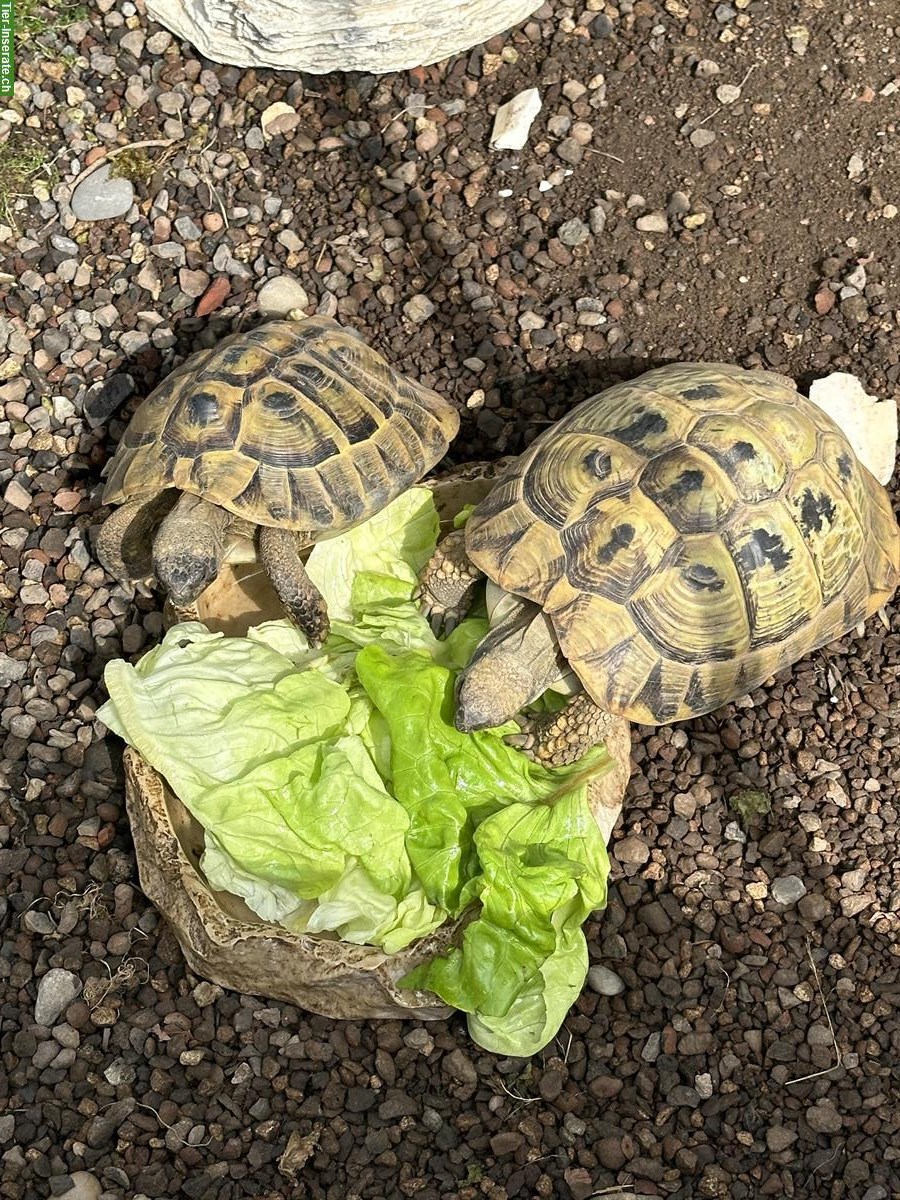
[523, 742]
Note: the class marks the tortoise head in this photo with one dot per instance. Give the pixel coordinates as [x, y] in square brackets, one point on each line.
[512, 666]
[188, 548]
[184, 575]
[491, 690]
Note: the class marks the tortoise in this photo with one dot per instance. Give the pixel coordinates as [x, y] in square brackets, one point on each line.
[281, 435]
[663, 549]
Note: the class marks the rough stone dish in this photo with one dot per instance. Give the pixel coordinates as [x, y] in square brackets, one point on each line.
[337, 35]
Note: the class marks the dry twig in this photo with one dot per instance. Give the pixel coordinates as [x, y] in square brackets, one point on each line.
[839, 1058]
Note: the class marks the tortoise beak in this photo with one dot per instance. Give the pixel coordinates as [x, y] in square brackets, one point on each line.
[473, 711]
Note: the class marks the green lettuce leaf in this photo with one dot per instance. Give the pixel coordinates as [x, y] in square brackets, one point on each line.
[448, 781]
[269, 901]
[397, 542]
[523, 960]
[300, 820]
[203, 708]
[463, 515]
[361, 913]
[540, 1007]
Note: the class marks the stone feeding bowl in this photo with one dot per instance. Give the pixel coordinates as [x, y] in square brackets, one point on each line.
[222, 939]
[320, 36]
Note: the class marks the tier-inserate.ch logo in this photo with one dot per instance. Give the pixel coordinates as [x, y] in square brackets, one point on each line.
[7, 47]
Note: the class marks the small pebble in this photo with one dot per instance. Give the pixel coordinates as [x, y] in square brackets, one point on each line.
[513, 121]
[632, 850]
[418, 309]
[701, 138]
[279, 296]
[604, 981]
[787, 889]
[823, 1117]
[728, 93]
[656, 222]
[81, 1185]
[56, 991]
[574, 232]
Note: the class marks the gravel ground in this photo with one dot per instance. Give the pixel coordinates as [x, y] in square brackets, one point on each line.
[704, 180]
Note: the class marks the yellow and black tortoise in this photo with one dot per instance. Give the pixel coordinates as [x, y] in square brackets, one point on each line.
[287, 433]
[672, 542]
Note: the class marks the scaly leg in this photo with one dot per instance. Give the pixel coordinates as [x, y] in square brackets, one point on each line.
[447, 582]
[125, 540]
[279, 552]
[557, 739]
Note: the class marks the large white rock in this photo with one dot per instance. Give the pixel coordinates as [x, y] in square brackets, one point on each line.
[337, 35]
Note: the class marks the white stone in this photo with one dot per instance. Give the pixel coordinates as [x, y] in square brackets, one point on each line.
[98, 197]
[56, 991]
[11, 670]
[418, 309]
[655, 222]
[279, 296]
[869, 424]
[788, 889]
[728, 93]
[513, 120]
[604, 981]
[336, 35]
[278, 118]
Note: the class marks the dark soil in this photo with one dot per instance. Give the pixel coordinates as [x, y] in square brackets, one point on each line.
[755, 1048]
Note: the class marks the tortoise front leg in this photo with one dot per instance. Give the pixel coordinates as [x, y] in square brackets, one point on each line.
[279, 552]
[124, 545]
[557, 739]
[447, 583]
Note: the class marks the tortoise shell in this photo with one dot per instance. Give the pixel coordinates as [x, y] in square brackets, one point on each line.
[297, 424]
[690, 533]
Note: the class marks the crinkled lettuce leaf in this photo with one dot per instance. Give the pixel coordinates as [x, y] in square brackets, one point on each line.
[360, 912]
[540, 1007]
[267, 900]
[397, 542]
[204, 709]
[543, 869]
[448, 781]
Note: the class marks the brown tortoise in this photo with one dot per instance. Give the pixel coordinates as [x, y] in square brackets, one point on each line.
[667, 546]
[288, 433]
